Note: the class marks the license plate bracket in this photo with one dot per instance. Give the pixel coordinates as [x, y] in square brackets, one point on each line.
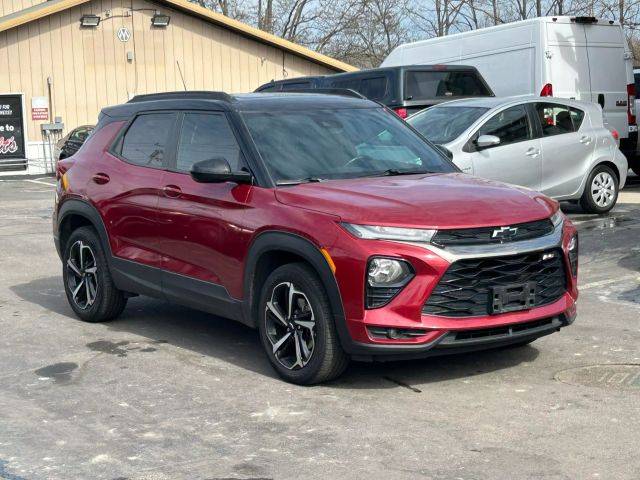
[511, 298]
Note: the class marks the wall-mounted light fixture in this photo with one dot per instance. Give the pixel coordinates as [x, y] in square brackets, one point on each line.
[160, 20]
[89, 21]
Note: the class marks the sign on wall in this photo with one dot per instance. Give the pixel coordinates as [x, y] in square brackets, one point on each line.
[39, 108]
[11, 129]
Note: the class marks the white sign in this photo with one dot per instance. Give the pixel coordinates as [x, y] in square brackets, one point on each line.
[39, 108]
[124, 34]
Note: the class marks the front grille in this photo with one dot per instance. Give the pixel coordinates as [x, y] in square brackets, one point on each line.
[489, 235]
[465, 290]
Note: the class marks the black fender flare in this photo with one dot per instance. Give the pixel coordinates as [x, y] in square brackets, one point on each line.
[290, 242]
[86, 210]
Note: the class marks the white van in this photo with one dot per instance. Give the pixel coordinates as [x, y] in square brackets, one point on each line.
[583, 58]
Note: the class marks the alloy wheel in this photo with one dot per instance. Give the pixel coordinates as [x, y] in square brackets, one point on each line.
[82, 279]
[290, 326]
[603, 189]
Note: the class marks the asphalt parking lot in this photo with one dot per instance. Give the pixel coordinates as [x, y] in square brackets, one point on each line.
[166, 392]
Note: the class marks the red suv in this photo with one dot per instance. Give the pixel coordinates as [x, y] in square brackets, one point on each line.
[323, 220]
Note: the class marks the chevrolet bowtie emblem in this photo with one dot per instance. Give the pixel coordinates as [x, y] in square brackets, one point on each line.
[505, 233]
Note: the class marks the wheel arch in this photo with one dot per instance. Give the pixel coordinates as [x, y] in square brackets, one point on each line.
[74, 214]
[271, 249]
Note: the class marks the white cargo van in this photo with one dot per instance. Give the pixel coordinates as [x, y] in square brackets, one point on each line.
[583, 58]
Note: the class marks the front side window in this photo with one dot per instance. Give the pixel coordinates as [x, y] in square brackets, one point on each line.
[444, 124]
[205, 136]
[374, 88]
[510, 125]
[339, 143]
[558, 119]
[146, 139]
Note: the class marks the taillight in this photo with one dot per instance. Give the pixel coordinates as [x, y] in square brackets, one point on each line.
[547, 90]
[615, 134]
[401, 112]
[631, 100]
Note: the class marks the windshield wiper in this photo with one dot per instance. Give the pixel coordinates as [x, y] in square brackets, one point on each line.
[394, 171]
[298, 181]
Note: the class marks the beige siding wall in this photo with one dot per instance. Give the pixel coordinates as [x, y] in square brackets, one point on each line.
[10, 6]
[89, 67]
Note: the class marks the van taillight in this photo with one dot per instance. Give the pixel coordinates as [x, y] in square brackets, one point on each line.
[547, 90]
[401, 112]
[631, 103]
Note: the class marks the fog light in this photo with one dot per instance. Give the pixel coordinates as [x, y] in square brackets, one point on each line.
[385, 278]
[573, 248]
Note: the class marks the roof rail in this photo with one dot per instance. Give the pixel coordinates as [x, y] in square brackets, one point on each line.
[345, 92]
[204, 95]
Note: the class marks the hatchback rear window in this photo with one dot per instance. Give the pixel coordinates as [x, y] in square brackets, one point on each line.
[423, 85]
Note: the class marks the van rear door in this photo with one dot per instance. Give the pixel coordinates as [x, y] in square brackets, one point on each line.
[605, 49]
[567, 65]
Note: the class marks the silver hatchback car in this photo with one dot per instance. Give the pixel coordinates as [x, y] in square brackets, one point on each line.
[559, 147]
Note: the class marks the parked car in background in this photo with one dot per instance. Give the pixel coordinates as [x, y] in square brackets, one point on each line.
[324, 221]
[297, 83]
[71, 142]
[405, 90]
[580, 58]
[558, 147]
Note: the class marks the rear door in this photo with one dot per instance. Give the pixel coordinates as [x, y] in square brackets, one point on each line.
[605, 48]
[517, 159]
[567, 140]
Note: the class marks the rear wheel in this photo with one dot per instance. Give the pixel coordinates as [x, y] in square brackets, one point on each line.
[601, 191]
[296, 327]
[90, 290]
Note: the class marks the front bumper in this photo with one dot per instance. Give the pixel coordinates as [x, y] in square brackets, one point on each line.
[439, 335]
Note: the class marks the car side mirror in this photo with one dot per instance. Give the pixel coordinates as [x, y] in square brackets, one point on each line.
[218, 170]
[486, 141]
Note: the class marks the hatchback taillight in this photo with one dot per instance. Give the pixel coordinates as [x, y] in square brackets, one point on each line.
[631, 100]
[547, 90]
[615, 134]
[401, 112]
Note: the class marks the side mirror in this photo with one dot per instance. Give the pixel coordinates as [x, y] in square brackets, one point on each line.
[218, 170]
[486, 141]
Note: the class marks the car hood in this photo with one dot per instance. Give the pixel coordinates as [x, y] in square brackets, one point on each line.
[441, 201]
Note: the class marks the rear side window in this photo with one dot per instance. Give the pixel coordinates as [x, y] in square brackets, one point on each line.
[510, 125]
[205, 136]
[425, 85]
[295, 86]
[558, 119]
[145, 142]
[374, 88]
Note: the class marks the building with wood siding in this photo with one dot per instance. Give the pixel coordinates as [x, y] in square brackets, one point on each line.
[51, 66]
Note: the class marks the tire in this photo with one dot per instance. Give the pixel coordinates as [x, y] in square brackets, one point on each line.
[97, 299]
[308, 352]
[601, 191]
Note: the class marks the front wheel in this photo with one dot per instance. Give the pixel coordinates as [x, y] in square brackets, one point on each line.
[296, 327]
[601, 191]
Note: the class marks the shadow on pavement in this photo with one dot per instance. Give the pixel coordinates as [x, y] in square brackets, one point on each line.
[234, 343]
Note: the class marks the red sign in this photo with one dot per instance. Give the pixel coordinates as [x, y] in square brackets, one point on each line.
[39, 114]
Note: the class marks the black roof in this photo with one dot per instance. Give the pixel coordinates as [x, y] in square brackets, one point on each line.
[241, 102]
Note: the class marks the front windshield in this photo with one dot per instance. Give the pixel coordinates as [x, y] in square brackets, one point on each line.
[340, 143]
[444, 124]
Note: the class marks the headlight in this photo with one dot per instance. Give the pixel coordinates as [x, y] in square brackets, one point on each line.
[557, 218]
[385, 278]
[573, 254]
[377, 232]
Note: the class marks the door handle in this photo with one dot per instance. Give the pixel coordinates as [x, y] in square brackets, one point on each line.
[585, 139]
[532, 152]
[172, 191]
[101, 178]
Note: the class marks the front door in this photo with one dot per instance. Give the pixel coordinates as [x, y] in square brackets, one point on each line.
[517, 158]
[198, 220]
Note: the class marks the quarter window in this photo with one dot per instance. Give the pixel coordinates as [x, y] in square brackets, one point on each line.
[558, 119]
[145, 142]
[374, 88]
[205, 136]
[510, 125]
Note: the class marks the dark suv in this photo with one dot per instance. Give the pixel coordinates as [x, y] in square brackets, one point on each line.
[406, 90]
[325, 221]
